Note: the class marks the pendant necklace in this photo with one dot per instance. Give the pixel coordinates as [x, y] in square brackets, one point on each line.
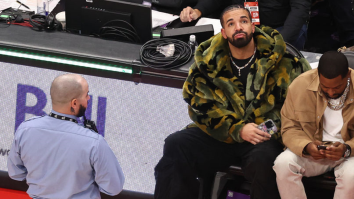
[238, 67]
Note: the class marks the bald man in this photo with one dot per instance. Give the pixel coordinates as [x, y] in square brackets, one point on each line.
[60, 158]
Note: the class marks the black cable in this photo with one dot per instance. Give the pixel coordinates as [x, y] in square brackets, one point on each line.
[131, 33]
[154, 59]
[38, 22]
[12, 16]
[115, 36]
[119, 30]
[42, 22]
[120, 21]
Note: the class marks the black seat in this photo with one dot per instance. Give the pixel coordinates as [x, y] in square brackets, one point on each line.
[315, 186]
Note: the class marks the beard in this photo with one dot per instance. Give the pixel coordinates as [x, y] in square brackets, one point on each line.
[240, 42]
[81, 112]
[336, 96]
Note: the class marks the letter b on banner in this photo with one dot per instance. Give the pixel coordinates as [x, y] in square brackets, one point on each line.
[22, 109]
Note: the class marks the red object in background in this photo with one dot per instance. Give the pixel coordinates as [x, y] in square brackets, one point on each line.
[254, 10]
[13, 194]
[25, 23]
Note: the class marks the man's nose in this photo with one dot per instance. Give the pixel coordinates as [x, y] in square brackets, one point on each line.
[238, 27]
[331, 92]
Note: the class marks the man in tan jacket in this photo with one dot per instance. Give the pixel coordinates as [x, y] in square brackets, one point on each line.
[318, 109]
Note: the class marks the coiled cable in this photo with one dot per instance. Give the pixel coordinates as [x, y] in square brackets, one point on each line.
[154, 59]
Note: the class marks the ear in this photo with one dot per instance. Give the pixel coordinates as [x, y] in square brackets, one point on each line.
[223, 33]
[74, 103]
[253, 28]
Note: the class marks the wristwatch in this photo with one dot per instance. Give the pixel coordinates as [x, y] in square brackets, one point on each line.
[347, 151]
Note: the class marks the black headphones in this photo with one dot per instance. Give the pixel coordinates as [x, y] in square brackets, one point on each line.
[44, 23]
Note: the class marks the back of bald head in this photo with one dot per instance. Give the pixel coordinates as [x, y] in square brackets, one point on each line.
[65, 88]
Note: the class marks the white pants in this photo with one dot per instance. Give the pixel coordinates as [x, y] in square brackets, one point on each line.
[290, 168]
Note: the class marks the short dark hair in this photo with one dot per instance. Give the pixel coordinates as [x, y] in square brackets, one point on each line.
[332, 64]
[233, 7]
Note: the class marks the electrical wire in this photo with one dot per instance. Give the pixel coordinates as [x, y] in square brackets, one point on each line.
[42, 22]
[119, 30]
[154, 59]
[7, 21]
[25, 23]
[38, 22]
[35, 21]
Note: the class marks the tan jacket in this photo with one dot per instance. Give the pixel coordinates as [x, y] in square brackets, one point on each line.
[301, 115]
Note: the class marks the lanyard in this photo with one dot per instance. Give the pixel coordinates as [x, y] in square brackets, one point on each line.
[87, 123]
[62, 117]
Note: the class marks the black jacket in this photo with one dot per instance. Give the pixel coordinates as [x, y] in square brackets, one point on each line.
[292, 14]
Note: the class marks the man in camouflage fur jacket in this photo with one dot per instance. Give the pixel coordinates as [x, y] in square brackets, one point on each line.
[239, 80]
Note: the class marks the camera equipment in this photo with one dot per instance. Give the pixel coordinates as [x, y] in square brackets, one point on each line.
[109, 19]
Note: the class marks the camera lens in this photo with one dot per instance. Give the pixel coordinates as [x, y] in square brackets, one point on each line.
[269, 124]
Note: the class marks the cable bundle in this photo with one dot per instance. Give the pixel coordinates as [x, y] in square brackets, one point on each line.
[11, 16]
[119, 30]
[154, 59]
[38, 22]
[42, 22]
[35, 21]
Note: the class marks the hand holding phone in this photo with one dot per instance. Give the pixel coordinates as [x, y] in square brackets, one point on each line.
[268, 127]
[324, 145]
[312, 149]
[252, 134]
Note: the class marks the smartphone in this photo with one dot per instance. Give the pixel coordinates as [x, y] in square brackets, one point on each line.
[324, 145]
[268, 127]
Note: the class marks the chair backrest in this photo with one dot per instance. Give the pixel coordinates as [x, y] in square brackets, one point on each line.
[294, 51]
[350, 57]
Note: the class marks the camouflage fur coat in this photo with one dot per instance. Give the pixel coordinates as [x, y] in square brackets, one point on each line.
[217, 99]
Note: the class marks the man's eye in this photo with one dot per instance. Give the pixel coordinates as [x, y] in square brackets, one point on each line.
[244, 21]
[230, 24]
